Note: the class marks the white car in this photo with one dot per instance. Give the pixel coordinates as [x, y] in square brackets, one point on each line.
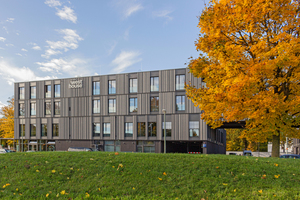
[3, 151]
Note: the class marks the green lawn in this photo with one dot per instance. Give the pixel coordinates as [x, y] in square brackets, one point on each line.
[100, 175]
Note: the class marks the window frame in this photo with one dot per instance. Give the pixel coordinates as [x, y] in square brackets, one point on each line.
[128, 129]
[56, 86]
[133, 85]
[153, 81]
[114, 108]
[105, 128]
[31, 90]
[44, 131]
[139, 129]
[179, 105]
[48, 103]
[156, 107]
[96, 129]
[21, 92]
[133, 108]
[21, 130]
[95, 90]
[21, 109]
[151, 130]
[97, 109]
[192, 127]
[57, 107]
[32, 105]
[112, 88]
[55, 130]
[47, 91]
[178, 82]
[32, 130]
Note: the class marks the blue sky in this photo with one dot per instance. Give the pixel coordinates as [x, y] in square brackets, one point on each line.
[48, 39]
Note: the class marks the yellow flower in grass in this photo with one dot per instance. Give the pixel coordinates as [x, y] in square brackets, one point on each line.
[165, 173]
[113, 166]
[87, 195]
[276, 164]
[57, 195]
[276, 176]
[225, 184]
[91, 159]
[47, 195]
[234, 190]
[37, 170]
[17, 189]
[53, 171]
[120, 165]
[133, 188]
[63, 192]
[260, 191]
[160, 178]
[99, 189]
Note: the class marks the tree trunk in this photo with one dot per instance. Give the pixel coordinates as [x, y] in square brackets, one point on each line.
[276, 145]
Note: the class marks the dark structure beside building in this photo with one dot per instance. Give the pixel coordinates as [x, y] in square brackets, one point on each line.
[121, 112]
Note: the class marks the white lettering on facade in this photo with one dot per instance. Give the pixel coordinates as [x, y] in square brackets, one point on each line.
[75, 84]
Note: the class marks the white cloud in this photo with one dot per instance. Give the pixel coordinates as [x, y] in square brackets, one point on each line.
[132, 9]
[5, 29]
[36, 48]
[15, 74]
[67, 13]
[2, 105]
[164, 14]
[11, 20]
[113, 46]
[2, 39]
[124, 60]
[18, 54]
[52, 3]
[9, 45]
[24, 49]
[70, 41]
[74, 67]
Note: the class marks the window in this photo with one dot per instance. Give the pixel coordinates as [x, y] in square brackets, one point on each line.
[96, 130]
[55, 131]
[96, 106]
[168, 129]
[32, 130]
[133, 105]
[151, 129]
[111, 105]
[33, 92]
[57, 108]
[21, 109]
[180, 103]
[44, 130]
[106, 129]
[180, 81]
[56, 91]
[47, 108]
[146, 146]
[141, 129]
[154, 84]
[48, 91]
[128, 129]
[112, 146]
[22, 130]
[96, 88]
[133, 85]
[33, 109]
[21, 93]
[194, 128]
[112, 87]
[154, 104]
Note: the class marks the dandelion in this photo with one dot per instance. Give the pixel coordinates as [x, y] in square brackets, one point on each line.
[113, 166]
[57, 195]
[276, 176]
[60, 173]
[234, 190]
[165, 173]
[14, 193]
[87, 195]
[37, 170]
[225, 184]
[53, 171]
[244, 173]
[264, 175]
[274, 195]
[133, 188]
[47, 194]
[17, 189]
[63, 192]
[260, 191]
[276, 164]
[68, 178]
[99, 189]
[160, 178]
[120, 165]
[71, 168]
[46, 162]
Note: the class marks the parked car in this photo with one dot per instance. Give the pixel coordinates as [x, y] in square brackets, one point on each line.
[247, 153]
[290, 156]
[6, 151]
[79, 149]
[232, 154]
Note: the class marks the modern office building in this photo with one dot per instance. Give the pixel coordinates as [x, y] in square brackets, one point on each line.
[120, 112]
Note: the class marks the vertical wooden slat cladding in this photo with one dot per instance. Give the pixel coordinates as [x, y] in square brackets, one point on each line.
[120, 83]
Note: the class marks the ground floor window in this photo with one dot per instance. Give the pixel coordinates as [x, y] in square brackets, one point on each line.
[146, 146]
[35, 145]
[112, 146]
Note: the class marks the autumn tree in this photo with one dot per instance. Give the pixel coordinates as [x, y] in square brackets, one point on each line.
[249, 61]
[7, 121]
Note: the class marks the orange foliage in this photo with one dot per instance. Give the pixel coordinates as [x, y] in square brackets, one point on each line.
[7, 121]
[250, 64]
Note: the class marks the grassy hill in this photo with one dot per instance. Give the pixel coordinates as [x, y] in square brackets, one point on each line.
[100, 175]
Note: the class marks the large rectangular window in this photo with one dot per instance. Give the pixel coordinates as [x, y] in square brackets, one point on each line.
[47, 108]
[194, 128]
[96, 130]
[55, 130]
[141, 129]
[32, 130]
[96, 88]
[128, 129]
[180, 103]
[47, 91]
[154, 104]
[21, 93]
[154, 84]
[32, 92]
[56, 91]
[112, 87]
[57, 108]
[96, 106]
[22, 109]
[44, 130]
[168, 129]
[32, 109]
[22, 130]
[133, 105]
[112, 105]
[133, 85]
[180, 82]
[151, 129]
[106, 129]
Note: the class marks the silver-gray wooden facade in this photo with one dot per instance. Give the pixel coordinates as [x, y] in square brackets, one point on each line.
[76, 115]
